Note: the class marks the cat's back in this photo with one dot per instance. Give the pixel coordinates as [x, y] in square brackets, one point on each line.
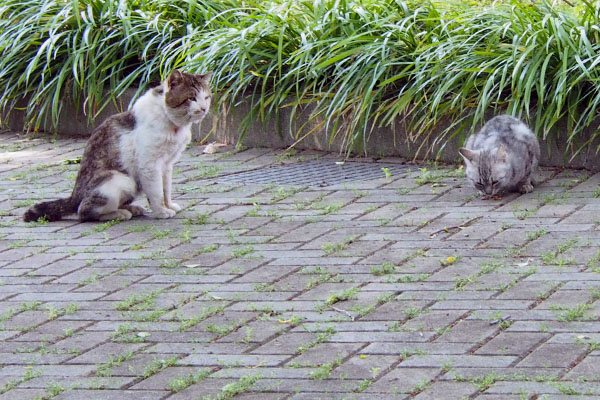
[503, 130]
[103, 144]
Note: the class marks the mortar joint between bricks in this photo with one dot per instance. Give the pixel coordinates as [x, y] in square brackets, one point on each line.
[463, 317]
[531, 350]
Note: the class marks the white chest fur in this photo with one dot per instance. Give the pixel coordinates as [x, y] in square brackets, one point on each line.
[155, 140]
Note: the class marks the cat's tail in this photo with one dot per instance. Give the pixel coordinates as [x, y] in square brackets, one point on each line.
[51, 210]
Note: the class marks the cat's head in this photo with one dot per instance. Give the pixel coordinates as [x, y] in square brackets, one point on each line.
[187, 96]
[488, 171]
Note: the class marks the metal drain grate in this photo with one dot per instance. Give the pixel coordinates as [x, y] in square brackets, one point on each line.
[316, 173]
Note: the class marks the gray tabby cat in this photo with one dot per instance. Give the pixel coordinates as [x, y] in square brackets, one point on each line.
[134, 152]
[501, 157]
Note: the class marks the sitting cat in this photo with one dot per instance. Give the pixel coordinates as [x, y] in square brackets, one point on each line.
[501, 157]
[134, 152]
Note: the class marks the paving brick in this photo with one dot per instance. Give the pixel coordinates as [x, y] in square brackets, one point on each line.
[250, 360]
[507, 343]
[111, 395]
[287, 344]
[326, 353]
[346, 396]
[104, 352]
[469, 332]
[447, 390]
[80, 382]
[403, 380]
[554, 355]
[361, 365]
[22, 394]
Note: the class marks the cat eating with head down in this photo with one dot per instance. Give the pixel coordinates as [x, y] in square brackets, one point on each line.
[133, 153]
[502, 157]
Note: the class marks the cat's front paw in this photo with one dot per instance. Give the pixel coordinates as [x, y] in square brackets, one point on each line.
[163, 213]
[526, 188]
[174, 206]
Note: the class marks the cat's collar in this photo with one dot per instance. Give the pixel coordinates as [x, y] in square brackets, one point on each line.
[173, 128]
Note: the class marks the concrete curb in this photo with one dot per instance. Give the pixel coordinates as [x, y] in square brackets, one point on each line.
[225, 126]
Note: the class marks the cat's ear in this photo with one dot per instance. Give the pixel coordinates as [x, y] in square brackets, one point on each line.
[205, 77]
[501, 155]
[176, 78]
[468, 155]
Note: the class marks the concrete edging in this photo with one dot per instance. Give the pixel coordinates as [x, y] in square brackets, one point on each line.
[386, 141]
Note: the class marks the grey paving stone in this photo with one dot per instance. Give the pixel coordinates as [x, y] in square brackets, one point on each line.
[554, 355]
[447, 390]
[417, 348]
[507, 343]
[111, 395]
[541, 388]
[326, 352]
[512, 374]
[80, 382]
[103, 353]
[346, 396]
[403, 380]
[348, 337]
[361, 365]
[22, 394]
[587, 370]
[249, 360]
[469, 332]
[474, 361]
[287, 344]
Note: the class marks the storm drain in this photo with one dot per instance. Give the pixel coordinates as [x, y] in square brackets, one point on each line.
[316, 173]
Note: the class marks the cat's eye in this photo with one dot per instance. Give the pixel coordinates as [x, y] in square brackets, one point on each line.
[494, 183]
[207, 97]
[478, 185]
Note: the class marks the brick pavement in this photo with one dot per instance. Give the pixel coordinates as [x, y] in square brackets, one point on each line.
[393, 288]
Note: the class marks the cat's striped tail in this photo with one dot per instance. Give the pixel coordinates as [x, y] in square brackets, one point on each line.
[51, 210]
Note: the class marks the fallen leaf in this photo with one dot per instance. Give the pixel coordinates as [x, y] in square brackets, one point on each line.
[212, 148]
[76, 160]
[524, 264]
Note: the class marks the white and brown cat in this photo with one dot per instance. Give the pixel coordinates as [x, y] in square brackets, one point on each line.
[133, 153]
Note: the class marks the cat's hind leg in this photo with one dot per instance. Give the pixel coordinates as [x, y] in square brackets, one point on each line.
[105, 202]
[97, 207]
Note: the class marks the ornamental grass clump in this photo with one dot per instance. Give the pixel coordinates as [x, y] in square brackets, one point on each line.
[351, 66]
